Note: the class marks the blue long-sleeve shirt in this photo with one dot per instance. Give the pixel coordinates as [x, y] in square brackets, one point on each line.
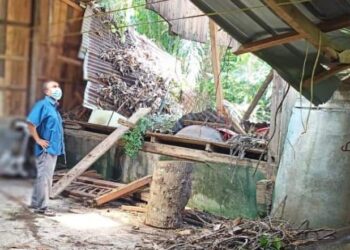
[48, 122]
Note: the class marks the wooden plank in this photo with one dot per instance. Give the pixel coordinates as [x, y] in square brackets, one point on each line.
[325, 74]
[73, 5]
[102, 183]
[258, 96]
[14, 103]
[126, 190]
[201, 156]
[268, 42]
[215, 58]
[3, 9]
[210, 124]
[327, 26]
[335, 24]
[13, 88]
[194, 141]
[15, 58]
[19, 11]
[184, 139]
[14, 23]
[301, 24]
[96, 153]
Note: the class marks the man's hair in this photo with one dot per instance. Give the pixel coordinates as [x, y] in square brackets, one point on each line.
[45, 84]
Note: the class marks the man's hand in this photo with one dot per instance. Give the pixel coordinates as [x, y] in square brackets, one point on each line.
[32, 129]
[44, 144]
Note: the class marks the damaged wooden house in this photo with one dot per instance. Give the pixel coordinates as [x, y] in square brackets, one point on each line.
[150, 132]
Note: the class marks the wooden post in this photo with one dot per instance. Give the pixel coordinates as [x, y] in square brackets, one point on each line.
[213, 28]
[34, 57]
[96, 153]
[170, 192]
[258, 96]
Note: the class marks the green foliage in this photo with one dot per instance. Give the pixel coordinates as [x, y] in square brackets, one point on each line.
[241, 77]
[269, 243]
[134, 139]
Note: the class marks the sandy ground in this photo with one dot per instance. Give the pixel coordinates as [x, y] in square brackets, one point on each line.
[74, 227]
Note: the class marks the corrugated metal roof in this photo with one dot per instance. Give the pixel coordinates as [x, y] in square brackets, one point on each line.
[196, 29]
[287, 59]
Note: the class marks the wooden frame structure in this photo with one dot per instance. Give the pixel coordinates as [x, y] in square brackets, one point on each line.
[303, 29]
[33, 50]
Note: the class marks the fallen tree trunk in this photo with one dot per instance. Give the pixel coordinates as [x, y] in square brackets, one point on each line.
[170, 192]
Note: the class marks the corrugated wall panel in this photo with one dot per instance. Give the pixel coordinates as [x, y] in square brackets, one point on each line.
[195, 29]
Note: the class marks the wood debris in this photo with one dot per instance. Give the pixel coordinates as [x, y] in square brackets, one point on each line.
[127, 70]
[218, 233]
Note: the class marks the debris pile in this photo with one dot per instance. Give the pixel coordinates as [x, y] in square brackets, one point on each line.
[243, 234]
[135, 84]
[125, 70]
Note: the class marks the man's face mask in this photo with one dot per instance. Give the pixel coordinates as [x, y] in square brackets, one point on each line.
[56, 93]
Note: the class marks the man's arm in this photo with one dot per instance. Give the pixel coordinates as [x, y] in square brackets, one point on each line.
[32, 129]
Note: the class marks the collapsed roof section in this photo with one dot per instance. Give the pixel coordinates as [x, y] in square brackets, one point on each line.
[126, 71]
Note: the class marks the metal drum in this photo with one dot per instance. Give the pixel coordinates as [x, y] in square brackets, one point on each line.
[313, 180]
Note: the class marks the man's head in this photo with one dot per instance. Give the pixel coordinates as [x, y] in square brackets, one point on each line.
[52, 88]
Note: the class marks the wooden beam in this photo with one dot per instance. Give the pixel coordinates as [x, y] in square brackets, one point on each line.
[35, 60]
[201, 156]
[96, 153]
[13, 23]
[326, 74]
[301, 24]
[268, 42]
[328, 26]
[14, 58]
[215, 59]
[73, 5]
[210, 124]
[122, 191]
[70, 61]
[334, 24]
[13, 88]
[258, 96]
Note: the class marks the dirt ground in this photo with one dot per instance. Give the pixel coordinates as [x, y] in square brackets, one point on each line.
[74, 227]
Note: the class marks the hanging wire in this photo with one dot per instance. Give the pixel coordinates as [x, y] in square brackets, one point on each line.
[301, 83]
[101, 13]
[182, 18]
[312, 79]
[285, 95]
[274, 129]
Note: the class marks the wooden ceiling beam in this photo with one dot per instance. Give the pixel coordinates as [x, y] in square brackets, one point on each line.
[334, 24]
[325, 74]
[328, 26]
[302, 25]
[268, 42]
[73, 5]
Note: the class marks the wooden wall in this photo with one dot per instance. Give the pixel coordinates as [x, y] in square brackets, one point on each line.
[15, 26]
[36, 45]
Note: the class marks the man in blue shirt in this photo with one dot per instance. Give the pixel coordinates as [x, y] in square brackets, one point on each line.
[45, 125]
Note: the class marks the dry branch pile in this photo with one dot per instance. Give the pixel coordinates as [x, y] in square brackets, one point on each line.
[243, 234]
[134, 85]
[137, 81]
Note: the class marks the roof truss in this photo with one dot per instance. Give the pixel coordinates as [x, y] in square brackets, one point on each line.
[303, 27]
